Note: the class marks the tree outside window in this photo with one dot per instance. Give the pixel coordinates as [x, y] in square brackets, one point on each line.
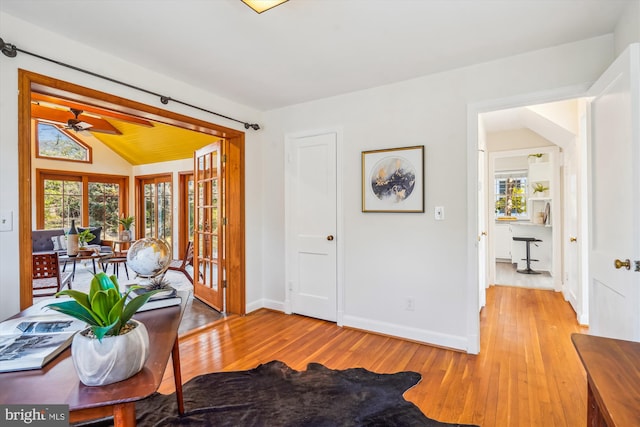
[511, 194]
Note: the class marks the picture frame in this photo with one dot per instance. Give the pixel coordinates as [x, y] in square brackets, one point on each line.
[393, 180]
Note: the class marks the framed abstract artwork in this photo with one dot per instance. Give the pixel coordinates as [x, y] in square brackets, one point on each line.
[393, 180]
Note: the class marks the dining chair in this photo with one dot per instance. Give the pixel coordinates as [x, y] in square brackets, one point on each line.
[48, 279]
[181, 264]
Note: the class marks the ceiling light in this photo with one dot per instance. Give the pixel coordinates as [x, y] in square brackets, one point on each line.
[262, 5]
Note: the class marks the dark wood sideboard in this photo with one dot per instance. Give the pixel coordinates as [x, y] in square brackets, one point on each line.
[613, 380]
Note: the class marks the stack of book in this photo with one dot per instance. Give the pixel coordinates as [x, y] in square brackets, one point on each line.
[162, 299]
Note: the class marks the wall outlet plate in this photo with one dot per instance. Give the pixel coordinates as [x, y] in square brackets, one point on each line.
[6, 220]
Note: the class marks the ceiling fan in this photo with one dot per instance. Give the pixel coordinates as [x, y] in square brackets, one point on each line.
[75, 123]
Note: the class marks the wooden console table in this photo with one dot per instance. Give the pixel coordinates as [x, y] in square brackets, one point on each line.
[58, 383]
[613, 380]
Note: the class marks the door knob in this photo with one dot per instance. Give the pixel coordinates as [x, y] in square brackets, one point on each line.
[572, 239]
[619, 264]
[329, 237]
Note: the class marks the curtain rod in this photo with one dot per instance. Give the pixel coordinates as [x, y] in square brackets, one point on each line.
[10, 50]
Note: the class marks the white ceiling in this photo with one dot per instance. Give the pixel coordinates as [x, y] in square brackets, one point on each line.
[310, 49]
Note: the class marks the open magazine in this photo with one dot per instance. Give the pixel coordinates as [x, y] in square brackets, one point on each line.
[31, 342]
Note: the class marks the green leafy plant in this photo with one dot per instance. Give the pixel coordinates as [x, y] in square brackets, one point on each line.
[85, 236]
[538, 187]
[126, 221]
[105, 309]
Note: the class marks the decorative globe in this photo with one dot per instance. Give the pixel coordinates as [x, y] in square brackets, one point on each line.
[149, 257]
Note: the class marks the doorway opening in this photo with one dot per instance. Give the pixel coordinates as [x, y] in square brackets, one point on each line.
[31, 83]
[535, 198]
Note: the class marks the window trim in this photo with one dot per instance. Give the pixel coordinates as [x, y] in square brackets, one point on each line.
[77, 140]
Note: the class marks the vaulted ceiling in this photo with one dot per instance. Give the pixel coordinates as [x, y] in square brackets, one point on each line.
[138, 140]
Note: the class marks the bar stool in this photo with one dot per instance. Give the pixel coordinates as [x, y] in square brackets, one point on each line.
[528, 241]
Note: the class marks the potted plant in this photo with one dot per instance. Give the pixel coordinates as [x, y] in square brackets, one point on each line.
[84, 237]
[126, 222]
[114, 347]
[538, 187]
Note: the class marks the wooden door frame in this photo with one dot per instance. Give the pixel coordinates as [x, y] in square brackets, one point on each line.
[236, 271]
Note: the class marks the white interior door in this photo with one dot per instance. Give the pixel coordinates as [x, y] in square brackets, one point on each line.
[311, 225]
[483, 226]
[571, 285]
[614, 157]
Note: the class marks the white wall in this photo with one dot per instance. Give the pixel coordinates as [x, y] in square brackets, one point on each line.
[515, 139]
[628, 28]
[391, 256]
[37, 40]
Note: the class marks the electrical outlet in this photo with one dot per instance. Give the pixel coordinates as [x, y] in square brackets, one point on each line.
[409, 304]
[6, 220]
[438, 213]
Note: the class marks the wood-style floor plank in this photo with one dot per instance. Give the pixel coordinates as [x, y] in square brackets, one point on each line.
[527, 372]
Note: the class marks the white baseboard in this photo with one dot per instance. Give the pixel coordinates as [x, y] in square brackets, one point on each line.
[401, 331]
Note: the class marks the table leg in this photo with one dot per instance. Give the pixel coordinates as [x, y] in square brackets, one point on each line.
[177, 375]
[94, 266]
[124, 414]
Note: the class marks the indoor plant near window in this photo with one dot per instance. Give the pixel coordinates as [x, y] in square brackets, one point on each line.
[84, 237]
[538, 187]
[114, 347]
[126, 222]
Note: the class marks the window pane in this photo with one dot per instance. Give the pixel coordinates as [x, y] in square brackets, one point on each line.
[52, 142]
[149, 210]
[62, 203]
[511, 194]
[104, 205]
[165, 216]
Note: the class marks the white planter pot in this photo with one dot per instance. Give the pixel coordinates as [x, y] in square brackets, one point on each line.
[113, 359]
[125, 235]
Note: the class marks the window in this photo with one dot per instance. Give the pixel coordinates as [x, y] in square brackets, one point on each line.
[90, 199]
[156, 199]
[54, 142]
[511, 194]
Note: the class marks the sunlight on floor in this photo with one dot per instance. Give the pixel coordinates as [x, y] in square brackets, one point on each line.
[507, 275]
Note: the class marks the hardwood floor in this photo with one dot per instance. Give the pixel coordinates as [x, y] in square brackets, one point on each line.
[527, 372]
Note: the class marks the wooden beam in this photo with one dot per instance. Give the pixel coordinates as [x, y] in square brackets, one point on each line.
[90, 109]
[61, 116]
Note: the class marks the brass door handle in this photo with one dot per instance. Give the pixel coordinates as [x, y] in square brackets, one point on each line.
[619, 264]
[329, 237]
[572, 239]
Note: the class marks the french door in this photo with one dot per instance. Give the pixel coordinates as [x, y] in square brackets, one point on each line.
[155, 201]
[209, 228]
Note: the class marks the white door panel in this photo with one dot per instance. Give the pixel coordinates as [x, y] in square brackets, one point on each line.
[311, 225]
[614, 153]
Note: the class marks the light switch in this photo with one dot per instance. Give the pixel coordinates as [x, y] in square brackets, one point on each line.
[6, 220]
[439, 213]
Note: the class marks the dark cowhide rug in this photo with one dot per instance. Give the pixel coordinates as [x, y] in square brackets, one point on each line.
[273, 394]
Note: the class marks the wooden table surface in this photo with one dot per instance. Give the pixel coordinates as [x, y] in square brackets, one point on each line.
[58, 383]
[613, 376]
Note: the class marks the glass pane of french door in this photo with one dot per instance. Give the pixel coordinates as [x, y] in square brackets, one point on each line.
[207, 237]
